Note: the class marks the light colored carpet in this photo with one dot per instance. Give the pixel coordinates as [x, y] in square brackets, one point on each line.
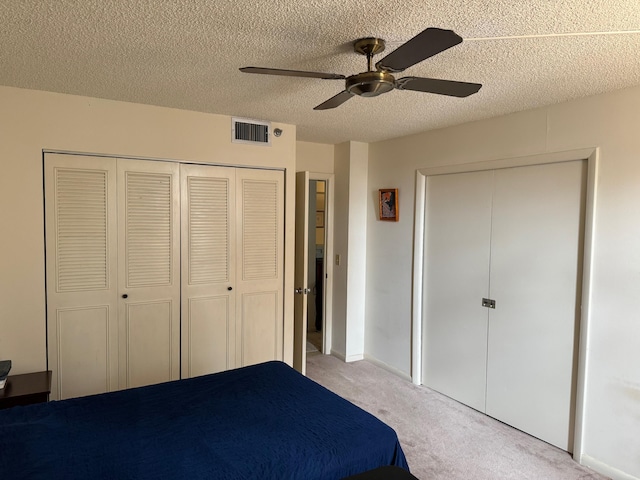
[442, 438]
[311, 347]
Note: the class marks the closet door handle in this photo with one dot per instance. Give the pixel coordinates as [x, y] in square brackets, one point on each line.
[489, 303]
[229, 288]
[124, 295]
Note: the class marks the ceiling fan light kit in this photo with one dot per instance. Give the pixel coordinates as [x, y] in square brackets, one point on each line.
[372, 83]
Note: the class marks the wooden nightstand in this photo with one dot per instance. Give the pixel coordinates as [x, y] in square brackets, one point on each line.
[26, 389]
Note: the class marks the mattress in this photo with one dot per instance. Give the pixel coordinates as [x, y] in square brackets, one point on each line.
[264, 421]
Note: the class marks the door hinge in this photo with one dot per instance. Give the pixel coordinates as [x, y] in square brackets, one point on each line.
[487, 302]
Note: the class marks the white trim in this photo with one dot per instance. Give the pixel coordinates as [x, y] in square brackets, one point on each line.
[605, 469]
[587, 277]
[338, 355]
[511, 162]
[159, 159]
[354, 358]
[351, 358]
[418, 259]
[329, 178]
[592, 156]
[387, 367]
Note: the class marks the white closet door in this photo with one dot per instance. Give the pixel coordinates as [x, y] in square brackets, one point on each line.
[149, 273]
[259, 284]
[535, 269]
[457, 236]
[81, 245]
[208, 269]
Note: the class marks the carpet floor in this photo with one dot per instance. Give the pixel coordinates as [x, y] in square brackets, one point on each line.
[443, 439]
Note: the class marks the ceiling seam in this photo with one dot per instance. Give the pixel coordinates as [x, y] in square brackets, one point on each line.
[555, 35]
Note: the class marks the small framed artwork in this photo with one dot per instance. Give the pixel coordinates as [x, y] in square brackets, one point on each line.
[389, 204]
[319, 219]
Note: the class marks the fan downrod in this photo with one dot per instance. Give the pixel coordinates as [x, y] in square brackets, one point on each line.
[370, 83]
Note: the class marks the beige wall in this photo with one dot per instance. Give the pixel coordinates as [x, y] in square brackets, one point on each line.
[32, 121]
[314, 157]
[611, 122]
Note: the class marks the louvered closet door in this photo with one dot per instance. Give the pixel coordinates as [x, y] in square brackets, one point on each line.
[260, 224]
[208, 269]
[149, 272]
[81, 247]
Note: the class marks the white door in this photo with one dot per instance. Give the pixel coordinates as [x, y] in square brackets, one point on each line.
[149, 272]
[114, 271]
[82, 294]
[232, 270]
[536, 258]
[301, 273]
[260, 278]
[208, 269]
[534, 217]
[457, 253]
[113, 282]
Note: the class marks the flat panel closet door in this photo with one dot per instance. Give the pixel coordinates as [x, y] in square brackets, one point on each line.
[208, 269]
[81, 245]
[149, 272]
[260, 224]
[535, 266]
[457, 234]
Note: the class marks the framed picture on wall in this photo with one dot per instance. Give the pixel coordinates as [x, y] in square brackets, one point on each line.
[389, 204]
[319, 219]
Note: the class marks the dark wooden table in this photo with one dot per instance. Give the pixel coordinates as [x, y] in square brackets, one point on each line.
[26, 389]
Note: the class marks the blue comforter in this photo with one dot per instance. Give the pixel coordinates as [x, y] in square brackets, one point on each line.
[264, 421]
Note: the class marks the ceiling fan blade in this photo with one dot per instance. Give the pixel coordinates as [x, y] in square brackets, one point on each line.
[441, 87]
[292, 73]
[424, 45]
[335, 101]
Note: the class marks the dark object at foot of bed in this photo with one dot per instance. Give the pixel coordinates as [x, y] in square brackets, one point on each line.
[384, 473]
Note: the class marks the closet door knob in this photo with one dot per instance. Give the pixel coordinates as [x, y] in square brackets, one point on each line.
[229, 288]
[124, 295]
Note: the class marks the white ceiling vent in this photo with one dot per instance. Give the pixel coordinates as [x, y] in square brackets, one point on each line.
[253, 132]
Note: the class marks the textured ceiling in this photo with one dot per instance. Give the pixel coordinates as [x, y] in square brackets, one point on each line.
[186, 54]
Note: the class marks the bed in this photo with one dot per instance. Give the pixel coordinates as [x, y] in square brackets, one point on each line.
[264, 421]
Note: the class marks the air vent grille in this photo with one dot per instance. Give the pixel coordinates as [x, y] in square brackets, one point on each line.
[250, 131]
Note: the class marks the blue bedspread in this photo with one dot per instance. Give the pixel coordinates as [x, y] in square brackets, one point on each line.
[264, 421]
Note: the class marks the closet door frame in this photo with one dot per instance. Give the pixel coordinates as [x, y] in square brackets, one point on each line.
[591, 155]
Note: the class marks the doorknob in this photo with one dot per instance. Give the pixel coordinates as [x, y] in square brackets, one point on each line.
[298, 290]
[229, 288]
[124, 295]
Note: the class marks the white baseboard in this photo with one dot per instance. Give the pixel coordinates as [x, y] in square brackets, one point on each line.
[354, 358]
[375, 361]
[338, 355]
[350, 358]
[605, 469]
[387, 367]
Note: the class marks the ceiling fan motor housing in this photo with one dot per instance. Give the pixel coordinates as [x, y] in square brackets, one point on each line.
[370, 84]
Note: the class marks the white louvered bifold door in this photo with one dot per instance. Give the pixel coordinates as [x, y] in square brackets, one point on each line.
[260, 224]
[81, 246]
[148, 271]
[208, 269]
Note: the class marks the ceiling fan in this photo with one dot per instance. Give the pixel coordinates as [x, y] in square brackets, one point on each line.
[381, 80]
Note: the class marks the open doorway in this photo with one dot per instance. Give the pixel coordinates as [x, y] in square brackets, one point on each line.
[316, 267]
[313, 301]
